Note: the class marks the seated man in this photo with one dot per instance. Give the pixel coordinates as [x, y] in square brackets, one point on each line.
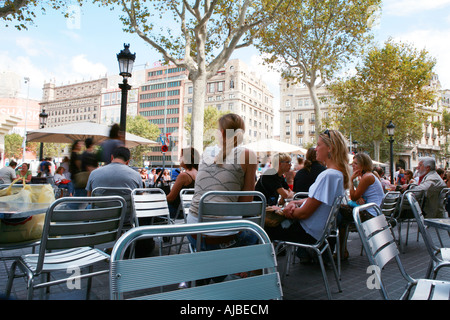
[432, 184]
[8, 174]
[272, 182]
[118, 174]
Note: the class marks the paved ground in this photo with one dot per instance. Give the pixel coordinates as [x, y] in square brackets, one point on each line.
[303, 283]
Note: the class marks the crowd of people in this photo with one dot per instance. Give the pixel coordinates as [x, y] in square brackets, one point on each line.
[324, 174]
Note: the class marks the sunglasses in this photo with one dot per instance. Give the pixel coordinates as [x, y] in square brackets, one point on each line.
[327, 132]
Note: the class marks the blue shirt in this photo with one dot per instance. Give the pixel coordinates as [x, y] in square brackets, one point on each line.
[328, 185]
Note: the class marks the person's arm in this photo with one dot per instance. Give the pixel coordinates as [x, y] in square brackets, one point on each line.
[176, 188]
[303, 212]
[364, 183]
[29, 176]
[285, 193]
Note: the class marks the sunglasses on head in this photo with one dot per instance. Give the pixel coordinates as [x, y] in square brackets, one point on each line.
[327, 132]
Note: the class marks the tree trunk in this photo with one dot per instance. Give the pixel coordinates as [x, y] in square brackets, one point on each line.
[315, 100]
[376, 151]
[198, 107]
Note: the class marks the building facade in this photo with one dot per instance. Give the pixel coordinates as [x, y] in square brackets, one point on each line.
[235, 88]
[78, 102]
[161, 103]
[297, 117]
[297, 123]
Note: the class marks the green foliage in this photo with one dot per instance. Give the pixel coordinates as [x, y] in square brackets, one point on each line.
[311, 40]
[23, 12]
[141, 127]
[210, 128]
[392, 83]
[13, 146]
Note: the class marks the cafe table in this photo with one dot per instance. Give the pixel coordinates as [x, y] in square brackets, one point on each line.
[17, 210]
[439, 224]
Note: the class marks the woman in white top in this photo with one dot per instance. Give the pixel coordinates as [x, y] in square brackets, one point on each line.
[311, 214]
[227, 168]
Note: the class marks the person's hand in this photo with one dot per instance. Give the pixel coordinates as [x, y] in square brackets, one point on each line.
[289, 210]
[356, 174]
[360, 201]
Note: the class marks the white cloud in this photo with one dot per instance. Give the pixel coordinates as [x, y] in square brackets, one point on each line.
[407, 7]
[83, 67]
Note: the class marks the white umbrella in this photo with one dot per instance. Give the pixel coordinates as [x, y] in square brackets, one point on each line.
[272, 145]
[80, 131]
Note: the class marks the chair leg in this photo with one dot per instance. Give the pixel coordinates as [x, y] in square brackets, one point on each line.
[11, 276]
[337, 275]
[324, 275]
[89, 284]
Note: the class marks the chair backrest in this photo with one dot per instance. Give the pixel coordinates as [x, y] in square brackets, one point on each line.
[154, 277]
[300, 195]
[331, 220]
[378, 242]
[443, 198]
[67, 226]
[417, 211]
[186, 196]
[150, 202]
[404, 204]
[118, 191]
[231, 210]
[390, 203]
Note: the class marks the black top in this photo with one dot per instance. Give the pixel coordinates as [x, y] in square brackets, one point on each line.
[268, 184]
[304, 179]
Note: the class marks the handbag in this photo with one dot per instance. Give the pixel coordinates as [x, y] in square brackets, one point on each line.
[64, 181]
[28, 228]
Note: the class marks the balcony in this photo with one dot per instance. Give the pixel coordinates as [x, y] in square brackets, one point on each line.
[300, 133]
[300, 121]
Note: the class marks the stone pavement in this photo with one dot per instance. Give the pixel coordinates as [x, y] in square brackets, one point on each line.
[303, 283]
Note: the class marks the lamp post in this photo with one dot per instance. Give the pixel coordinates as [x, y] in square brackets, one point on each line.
[391, 130]
[24, 143]
[126, 60]
[42, 122]
[355, 146]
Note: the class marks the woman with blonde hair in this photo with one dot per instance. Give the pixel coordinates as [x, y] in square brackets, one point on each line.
[230, 168]
[311, 214]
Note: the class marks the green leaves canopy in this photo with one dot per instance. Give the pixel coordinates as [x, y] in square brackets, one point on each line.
[392, 83]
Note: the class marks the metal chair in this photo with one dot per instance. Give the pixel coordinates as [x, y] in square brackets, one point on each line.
[151, 207]
[143, 278]
[404, 214]
[130, 218]
[334, 232]
[186, 196]
[440, 257]
[70, 235]
[210, 210]
[319, 248]
[380, 248]
[443, 199]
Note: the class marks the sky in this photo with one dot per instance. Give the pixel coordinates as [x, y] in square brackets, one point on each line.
[85, 47]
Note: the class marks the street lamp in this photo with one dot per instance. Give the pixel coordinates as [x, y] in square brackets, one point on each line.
[126, 60]
[24, 143]
[355, 146]
[42, 122]
[391, 130]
